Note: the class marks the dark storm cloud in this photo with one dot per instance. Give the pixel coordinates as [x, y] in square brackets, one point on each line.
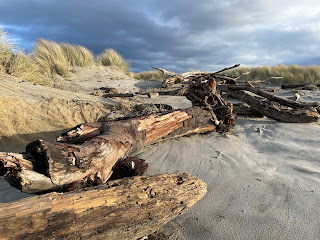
[179, 35]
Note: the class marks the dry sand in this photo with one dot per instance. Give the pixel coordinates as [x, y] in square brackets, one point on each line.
[263, 177]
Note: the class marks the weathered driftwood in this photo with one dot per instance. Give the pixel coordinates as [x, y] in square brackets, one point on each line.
[174, 78]
[123, 209]
[245, 110]
[203, 93]
[277, 108]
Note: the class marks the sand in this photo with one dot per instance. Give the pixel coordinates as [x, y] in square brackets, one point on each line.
[263, 177]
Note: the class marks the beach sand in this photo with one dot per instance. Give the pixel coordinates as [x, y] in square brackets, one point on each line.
[263, 177]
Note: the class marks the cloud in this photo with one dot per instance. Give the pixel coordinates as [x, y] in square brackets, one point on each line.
[178, 35]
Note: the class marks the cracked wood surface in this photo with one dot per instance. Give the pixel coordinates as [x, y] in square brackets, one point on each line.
[122, 209]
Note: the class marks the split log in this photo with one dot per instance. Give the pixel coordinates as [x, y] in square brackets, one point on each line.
[277, 108]
[123, 209]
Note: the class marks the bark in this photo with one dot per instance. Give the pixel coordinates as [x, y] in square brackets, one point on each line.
[123, 209]
[246, 110]
[87, 154]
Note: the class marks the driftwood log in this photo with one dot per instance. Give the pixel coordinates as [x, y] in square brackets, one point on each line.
[129, 208]
[278, 108]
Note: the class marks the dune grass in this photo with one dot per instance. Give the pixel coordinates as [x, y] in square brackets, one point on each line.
[55, 58]
[292, 74]
[25, 68]
[14, 62]
[111, 57]
[149, 76]
[77, 55]
[50, 58]
[5, 51]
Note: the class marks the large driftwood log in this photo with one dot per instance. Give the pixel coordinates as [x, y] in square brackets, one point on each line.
[277, 108]
[129, 208]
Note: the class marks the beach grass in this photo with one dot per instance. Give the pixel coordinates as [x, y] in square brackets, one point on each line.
[25, 68]
[279, 74]
[110, 57]
[149, 76]
[77, 55]
[13, 61]
[5, 51]
[50, 58]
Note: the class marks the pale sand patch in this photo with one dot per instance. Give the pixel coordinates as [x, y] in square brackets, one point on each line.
[263, 178]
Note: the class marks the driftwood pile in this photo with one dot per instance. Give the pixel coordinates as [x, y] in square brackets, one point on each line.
[85, 161]
[91, 154]
[259, 103]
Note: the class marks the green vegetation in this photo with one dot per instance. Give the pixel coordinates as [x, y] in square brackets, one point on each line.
[110, 57]
[149, 76]
[292, 74]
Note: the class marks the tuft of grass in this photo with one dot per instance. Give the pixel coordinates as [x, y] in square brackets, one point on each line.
[77, 55]
[292, 74]
[5, 51]
[25, 68]
[14, 62]
[149, 76]
[110, 57]
[50, 58]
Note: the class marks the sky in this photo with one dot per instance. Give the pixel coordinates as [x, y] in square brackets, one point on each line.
[178, 35]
